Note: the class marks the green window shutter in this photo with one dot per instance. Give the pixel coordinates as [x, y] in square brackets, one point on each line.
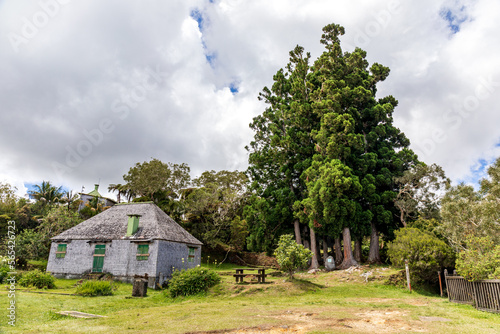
[61, 250]
[100, 249]
[99, 253]
[192, 251]
[142, 252]
[98, 264]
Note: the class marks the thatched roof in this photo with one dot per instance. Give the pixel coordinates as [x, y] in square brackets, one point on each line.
[111, 224]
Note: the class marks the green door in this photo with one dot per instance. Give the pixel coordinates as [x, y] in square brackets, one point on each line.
[99, 252]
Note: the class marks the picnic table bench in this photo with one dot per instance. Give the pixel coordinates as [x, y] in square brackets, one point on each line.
[260, 275]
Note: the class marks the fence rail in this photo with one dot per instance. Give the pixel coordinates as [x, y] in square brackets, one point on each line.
[483, 295]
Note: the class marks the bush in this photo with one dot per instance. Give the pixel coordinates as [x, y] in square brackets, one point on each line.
[290, 255]
[4, 270]
[37, 265]
[95, 288]
[192, 281]
[480, 260]
[37, 279]
[426, 254]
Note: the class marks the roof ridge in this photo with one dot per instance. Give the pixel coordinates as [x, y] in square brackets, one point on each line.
[112, 223]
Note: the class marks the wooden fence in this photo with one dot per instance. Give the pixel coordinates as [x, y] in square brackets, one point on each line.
[483, 295]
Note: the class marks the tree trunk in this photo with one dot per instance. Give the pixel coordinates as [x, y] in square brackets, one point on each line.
[348, 256]
[314, 250]
[325, 250]
[338, 252]
[357, 250]
[296, 227]
[305, 241]
[374, 255]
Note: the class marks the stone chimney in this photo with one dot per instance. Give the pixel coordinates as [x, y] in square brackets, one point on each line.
[133, 224]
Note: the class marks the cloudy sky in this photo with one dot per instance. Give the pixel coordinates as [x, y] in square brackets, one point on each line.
[89, 88]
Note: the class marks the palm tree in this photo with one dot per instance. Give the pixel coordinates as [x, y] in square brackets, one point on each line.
[122, 189]
[70, 198]
[46, 193]
[116, 187]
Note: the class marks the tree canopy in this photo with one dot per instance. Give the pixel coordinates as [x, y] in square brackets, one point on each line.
[328, 113]
[154, 177]
[213, 208]
[467, 212]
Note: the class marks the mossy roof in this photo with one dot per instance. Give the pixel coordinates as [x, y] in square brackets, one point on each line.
[112, 223]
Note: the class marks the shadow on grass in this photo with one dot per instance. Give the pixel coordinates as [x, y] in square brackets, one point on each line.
[304, 285]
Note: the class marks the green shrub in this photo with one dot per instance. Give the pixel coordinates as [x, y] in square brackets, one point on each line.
[192, 281]
[4, 268]
[95, 288]
[37, 264]
[426, 254]
[480, 260]
[290, 255]
[37, 279]
[3, 273]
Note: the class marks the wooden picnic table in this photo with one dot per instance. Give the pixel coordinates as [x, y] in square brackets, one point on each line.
[240, 274]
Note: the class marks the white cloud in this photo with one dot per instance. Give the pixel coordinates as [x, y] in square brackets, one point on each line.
[91, 62]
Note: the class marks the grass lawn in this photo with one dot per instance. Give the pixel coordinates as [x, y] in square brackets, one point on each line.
[336, 302]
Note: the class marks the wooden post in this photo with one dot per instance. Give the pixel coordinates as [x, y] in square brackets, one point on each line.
[446, 282]
[408, 275]
[440, 284]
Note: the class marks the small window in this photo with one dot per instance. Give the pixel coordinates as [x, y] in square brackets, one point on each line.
[142, 252]
[61, 250]
[192, 251]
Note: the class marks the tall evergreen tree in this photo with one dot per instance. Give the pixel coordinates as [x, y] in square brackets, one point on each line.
[358, 130]
[281, 150]
[328, 113]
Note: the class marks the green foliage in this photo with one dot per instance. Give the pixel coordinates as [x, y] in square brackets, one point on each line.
[214, 209]
[192, 281]
[290, 255]
[46, 195]
[332, 190]
[466, 212]
[37, 279]
[419, 192]
[326, 112]
[37, 264]
[95, 288]
[13, 208]
[150, 178]
[281, 150]
[426, 254]
[480, 260]
[4, 268]
[3, 273]
[34, 244]
[31, 244]
[431, 225]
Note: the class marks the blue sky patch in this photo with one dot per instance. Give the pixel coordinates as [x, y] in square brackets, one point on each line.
[477, 172]
[233, 87]
[31, 187]
[211, 58]
[198, 17]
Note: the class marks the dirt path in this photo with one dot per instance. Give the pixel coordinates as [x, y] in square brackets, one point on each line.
[302, 322]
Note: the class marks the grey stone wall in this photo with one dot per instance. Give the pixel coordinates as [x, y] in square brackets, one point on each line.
[78, 259]
[121, 260]
[171, 256]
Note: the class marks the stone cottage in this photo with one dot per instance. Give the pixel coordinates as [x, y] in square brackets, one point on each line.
[125, 240]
